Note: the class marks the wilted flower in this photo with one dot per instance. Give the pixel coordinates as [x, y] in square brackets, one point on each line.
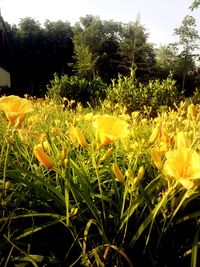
[15, 108]
[110, 128]
[184, 165]
[43, 157]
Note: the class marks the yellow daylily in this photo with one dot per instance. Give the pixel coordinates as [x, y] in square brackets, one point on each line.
[155, 134]
[88, 117]
[181, 140]
[183, 165]
[118, 174]
[76, 132]
[156, 157]
[191, 111]
[43, 157]
[15, 108]
[110, 128]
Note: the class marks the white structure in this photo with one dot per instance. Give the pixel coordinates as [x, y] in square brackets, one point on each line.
[4, 78]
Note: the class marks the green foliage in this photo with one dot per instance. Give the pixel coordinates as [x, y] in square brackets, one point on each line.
[85, 64]
[79, 213]
[74, 88]
[195, 4]
[167, 57]
[134, 49]
[196, 97]
[188, 37]
[92, 47]
[134, 95]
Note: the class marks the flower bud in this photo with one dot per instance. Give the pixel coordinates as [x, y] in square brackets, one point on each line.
[108, 154]
[141, 172]
[154, 134]
[118, 174]
[181, 140]
[43, 158]
[156, 158]
[8, 185]
[76, 132]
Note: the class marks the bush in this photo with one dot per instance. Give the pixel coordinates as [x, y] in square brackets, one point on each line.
[77, 89]
[156, 94]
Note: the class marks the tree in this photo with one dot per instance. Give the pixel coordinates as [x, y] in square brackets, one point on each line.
[166, 58]
[27, 45]
[39, 52]
[188, 37]
[101, 40]
[59, 45]
[84, 61]
[195, 4]
[134, 49]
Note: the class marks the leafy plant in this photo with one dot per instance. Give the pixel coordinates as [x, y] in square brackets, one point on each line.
[155, 95]
[74, 88]
[87, 189]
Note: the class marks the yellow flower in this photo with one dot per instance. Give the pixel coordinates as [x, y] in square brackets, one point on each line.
[110, 128]
[104, 140]
[43, 158]
[135, 114]
[76, 132]
[32, 119]
[88, 117]
[191, 111]
[117, 172]
[57, 122]
[45, 146]
[181, 140]
[155, 134]
[141, 172]
[156, 158]
[184, 165]
[15, 108]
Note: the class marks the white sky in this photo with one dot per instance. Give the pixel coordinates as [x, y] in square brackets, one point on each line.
[159, 17]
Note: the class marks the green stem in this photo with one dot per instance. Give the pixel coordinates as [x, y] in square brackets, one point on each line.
[100, 188]
[4, 170]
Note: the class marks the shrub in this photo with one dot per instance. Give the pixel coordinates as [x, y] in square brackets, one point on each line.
[77, 89]
[156, 94]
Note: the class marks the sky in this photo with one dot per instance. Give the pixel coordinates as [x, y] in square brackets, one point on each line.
[159, 17]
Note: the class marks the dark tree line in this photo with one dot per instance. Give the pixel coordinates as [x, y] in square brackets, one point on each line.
[89, 49]
[38, 52]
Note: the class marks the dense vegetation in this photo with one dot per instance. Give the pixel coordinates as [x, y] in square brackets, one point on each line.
[95, 49]
[85, 187]
[104, 170]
